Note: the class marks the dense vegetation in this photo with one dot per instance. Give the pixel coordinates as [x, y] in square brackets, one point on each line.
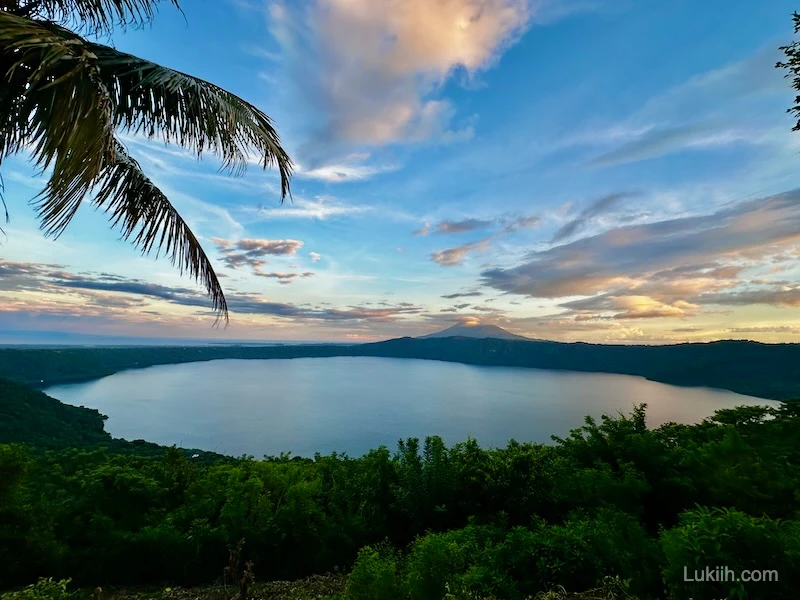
[615, 504]
[30, 417]
[771, 369]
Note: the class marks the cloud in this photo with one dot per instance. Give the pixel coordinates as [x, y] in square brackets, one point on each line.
[120, 293]
[254, 305]
[594, 210]
[660, 141]
[462, 226]
[251, 252]
[15, 276]
[705, 111]
[339, 173]
[114, 301]
[423, 231]
[711, 93]
[286, 278]
[41, 277]
[260, 247]
[780, 296]
[508, 224]
[455, 256]
[462, 295]
[321, 207]
[367, 69]
[134, 287]
[791, 329]
[315, 257]
[512, 224]
[696, 260]
[631, 307]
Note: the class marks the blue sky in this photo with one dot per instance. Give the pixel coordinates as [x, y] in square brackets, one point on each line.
[612, 171]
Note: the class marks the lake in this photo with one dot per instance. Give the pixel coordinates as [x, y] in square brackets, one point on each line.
[353, 404]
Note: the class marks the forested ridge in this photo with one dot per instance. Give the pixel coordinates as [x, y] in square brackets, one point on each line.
[762, 370]
[614, 507]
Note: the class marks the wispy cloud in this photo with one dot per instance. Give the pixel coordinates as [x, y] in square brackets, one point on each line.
[462, 295]
[507, 224]
[321, 207]
[791, 329]
[423, 231]
[595, 209]
[661, 141]
[703, 112]
[463, 226]
[452, 257]
[286, 278]
[776, 296]
[339, 173]
[455, 256]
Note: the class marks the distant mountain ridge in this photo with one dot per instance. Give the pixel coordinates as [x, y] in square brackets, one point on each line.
[474, 331]
[751, 368]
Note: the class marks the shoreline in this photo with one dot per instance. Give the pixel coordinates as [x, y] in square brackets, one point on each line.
[768, 372]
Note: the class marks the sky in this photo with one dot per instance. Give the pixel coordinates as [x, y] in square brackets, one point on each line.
[613, 171]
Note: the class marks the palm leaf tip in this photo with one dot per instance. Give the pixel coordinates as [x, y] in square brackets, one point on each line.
[147, 218]
[159, 102]
[93, 16]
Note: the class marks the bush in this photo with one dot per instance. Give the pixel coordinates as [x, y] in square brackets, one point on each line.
[712, 540]
[374, 575]
[578, 553]
[456, 559]
[44, 589]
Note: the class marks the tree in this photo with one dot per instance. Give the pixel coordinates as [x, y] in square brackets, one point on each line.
[792, 66]
[65, 98]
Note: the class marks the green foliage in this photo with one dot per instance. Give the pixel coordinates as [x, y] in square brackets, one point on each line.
[44, 589]
[713, 540]
[33, 417]
[374, 575]
[437, 560]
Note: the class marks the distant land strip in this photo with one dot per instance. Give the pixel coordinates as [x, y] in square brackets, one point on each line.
[769, 371]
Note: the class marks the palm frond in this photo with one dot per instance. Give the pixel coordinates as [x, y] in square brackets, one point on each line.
[146, 216]
[92, 16]
[63, 98]
[56, 104]
[160, 102]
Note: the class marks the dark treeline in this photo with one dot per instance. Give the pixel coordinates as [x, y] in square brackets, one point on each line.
[770, 371]
[612, 500]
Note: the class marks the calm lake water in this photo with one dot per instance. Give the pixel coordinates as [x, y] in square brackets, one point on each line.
[353, 404]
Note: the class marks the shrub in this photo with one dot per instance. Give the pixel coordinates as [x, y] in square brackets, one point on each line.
[712, 540]
[374, 575]
[44, 589]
